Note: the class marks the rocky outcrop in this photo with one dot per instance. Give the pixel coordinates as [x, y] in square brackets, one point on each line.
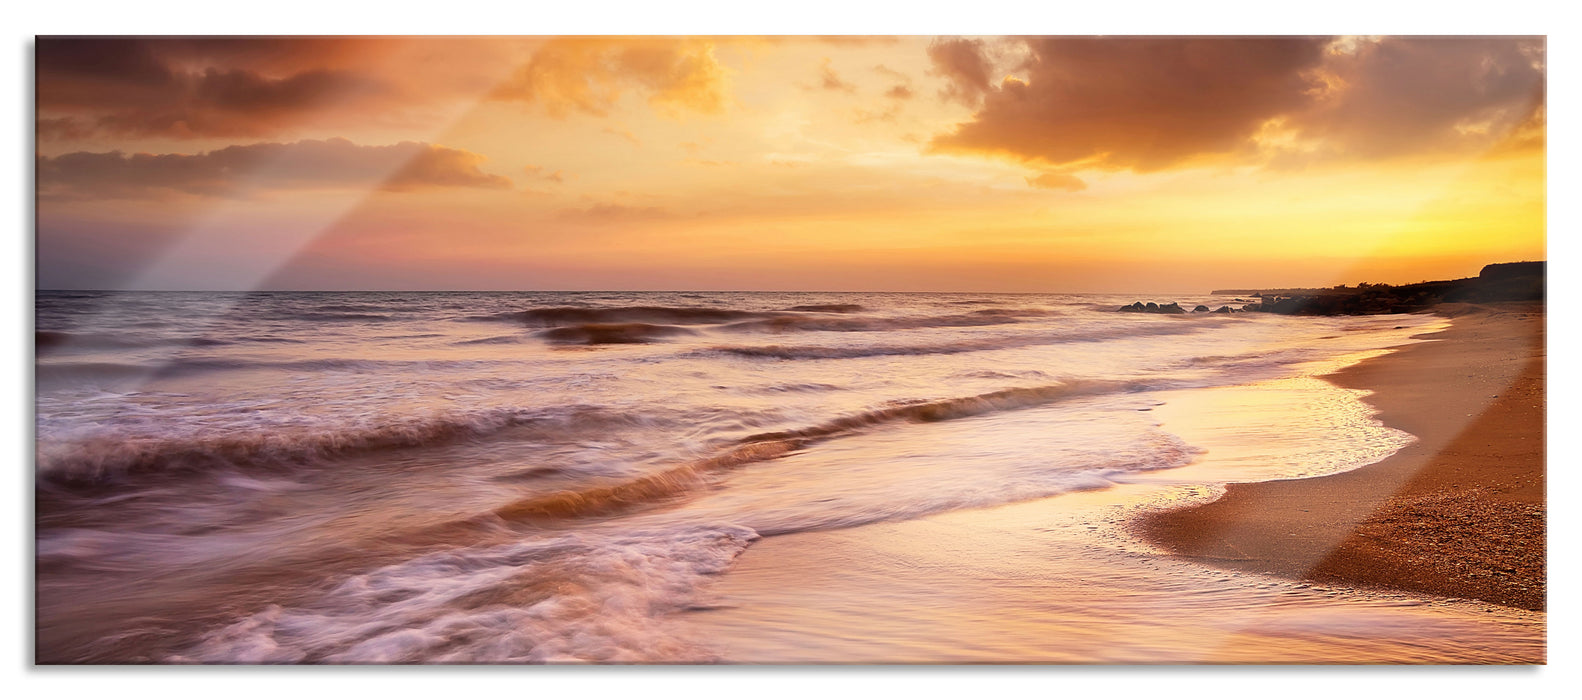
[1519, 281]
[1155, 308]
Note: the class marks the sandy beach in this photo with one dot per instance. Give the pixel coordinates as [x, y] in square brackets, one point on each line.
[1458, 513]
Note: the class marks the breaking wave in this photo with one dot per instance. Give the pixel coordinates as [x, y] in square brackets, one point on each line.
[106, 371]
[555, 316]
[572, 598]
[97, 460]
[611, 333]
[784, 324]
[817, 352]
[616, 498]
[830, 308]
[54, 340]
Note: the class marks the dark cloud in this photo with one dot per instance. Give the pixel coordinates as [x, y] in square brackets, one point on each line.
[62, 128]
[191, 88]
[1147, 104]
[899, 92]
[239, 171]
[112, 61]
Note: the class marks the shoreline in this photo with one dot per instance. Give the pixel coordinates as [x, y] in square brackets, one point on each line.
[1459, 513]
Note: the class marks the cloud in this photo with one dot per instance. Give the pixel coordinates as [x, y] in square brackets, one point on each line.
[589, 75]
[538, 172]
[1403, 95]
[1058, 181]
[62, 128]
[964, 66]
[902, 90]
[1142, 104]
[1147, 104]
[187, 88]
[238, 171]
[830, 80]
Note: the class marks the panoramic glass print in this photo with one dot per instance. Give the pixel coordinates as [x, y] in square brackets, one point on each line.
[790, 350]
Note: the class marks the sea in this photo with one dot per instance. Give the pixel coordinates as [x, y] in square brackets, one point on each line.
[692, 477]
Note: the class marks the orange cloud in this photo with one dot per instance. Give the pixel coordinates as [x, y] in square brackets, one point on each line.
[965, 67]
[590, 75]
[238, 171]
[1147, 104]
[1137, 103]
[1058, 181]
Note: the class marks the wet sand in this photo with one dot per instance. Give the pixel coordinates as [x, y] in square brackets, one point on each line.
[1459, 513]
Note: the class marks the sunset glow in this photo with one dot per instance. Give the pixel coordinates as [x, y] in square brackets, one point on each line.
[911, 163]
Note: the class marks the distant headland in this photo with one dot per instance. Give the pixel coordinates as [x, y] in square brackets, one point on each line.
[1513, 281]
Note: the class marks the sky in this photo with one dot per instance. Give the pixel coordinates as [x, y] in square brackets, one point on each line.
[1036, 164]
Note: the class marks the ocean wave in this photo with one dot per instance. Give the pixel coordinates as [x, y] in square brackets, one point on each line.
[830, 308]
[616, 498]
[268, 339]
[111, 457]
[791, 387]
[571, 598]
[785, 324]
[999, 374]
[610, 333]
[951, 408]
[57, 340]
[495, 340]
[108, 371]
[351, 308]
[610, 499]
[818, 352]
[326, 316]
[557, 316]
[1016, 312]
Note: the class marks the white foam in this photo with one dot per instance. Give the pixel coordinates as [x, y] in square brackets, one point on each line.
[603, 599]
